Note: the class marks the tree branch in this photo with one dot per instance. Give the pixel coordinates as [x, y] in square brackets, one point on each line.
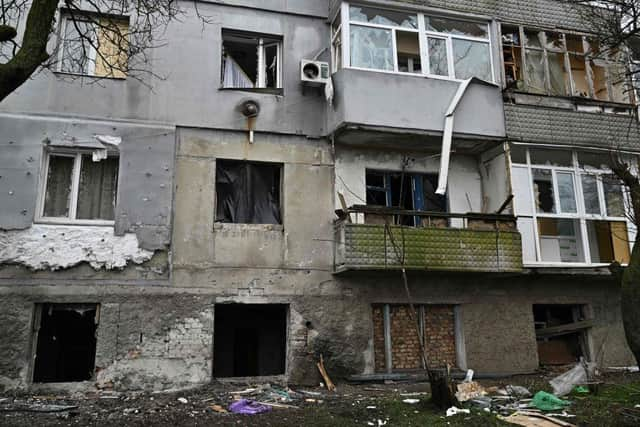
[34, 47]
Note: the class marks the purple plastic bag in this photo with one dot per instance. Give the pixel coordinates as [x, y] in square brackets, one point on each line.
[248, 407]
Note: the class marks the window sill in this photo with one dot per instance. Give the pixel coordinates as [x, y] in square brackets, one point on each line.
[64, 74]
[225, 226]
[71, 223]
[265, 91]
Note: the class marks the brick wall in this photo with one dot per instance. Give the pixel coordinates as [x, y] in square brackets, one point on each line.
[439, 332]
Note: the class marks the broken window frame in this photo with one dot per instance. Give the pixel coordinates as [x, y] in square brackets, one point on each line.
[580, 217]
[263, 42]
[416, 183]
[423, 35]
[587, 55]
[91, 53]
[71, 218]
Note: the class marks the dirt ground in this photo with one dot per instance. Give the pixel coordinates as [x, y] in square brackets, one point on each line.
[614, 404]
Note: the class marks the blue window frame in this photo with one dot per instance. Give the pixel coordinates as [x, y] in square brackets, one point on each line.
[411, 191]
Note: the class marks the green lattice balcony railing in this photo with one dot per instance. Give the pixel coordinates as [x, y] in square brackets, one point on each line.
[488, 243]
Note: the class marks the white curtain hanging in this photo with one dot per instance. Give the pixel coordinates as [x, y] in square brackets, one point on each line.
[234, 76]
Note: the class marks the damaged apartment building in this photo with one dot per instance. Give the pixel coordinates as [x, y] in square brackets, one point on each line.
[255, 209]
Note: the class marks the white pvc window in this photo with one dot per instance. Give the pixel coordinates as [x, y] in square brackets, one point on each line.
[570, 207]
[251, 61]
[76, 187]
[408, 42]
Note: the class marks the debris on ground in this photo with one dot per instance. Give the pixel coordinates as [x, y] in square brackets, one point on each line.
[325, 376]
[548, 402]
[579, 374]
[532, 419]
[469, 390]
[34, 407]
[248, 407]
[455, 411]
[411, 401]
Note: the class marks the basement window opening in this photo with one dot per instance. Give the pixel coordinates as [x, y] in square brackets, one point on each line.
[250, 340]
[248, 192]
[65, 342]
[561, 333]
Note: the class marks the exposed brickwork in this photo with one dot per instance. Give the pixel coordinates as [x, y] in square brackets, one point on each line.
[439, 333]
[378, 338]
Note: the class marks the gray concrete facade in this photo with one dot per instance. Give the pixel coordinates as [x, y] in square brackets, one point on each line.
[158, 292]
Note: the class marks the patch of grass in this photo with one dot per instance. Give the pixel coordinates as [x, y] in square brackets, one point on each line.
[613, 405]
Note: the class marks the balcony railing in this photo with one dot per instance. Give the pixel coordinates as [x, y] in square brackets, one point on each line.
[441, 242]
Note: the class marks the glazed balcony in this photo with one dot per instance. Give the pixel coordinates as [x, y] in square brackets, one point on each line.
[442, 241]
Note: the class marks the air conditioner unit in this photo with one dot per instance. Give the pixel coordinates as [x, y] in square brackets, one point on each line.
[314, 73]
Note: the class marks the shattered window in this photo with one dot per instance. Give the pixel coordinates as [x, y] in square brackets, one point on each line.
[387, 40]
[371, 48]
[457, 27]
[80, 186]
[560, 64]
[248, 192]
[580, 207]
[591, 195]
[94, 46]
[250, 61]
[383, 17]
[614, 198]
[438, 62]
[471, 59]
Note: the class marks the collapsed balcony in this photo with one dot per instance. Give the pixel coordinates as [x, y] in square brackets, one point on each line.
[439, 241]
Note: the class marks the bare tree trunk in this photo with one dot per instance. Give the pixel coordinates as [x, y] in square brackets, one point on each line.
[33, 51]
[630, 290]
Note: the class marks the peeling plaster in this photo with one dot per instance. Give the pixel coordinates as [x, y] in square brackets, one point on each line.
[56, 247]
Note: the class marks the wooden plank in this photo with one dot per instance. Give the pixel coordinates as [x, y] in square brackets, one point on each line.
[565, 329]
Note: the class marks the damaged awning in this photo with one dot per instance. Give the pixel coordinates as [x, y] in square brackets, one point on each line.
[447, 135]
[100, 145]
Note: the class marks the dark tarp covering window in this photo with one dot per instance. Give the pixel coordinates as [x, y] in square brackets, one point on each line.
[247, 193]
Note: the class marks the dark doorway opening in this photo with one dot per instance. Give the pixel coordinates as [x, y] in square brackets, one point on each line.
[249, 340]
[66, 342]
[561, 333]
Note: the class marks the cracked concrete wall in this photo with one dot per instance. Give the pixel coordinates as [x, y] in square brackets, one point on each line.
[145, 179]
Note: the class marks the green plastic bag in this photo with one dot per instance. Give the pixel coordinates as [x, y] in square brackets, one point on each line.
[548, 402]
[580, 389]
